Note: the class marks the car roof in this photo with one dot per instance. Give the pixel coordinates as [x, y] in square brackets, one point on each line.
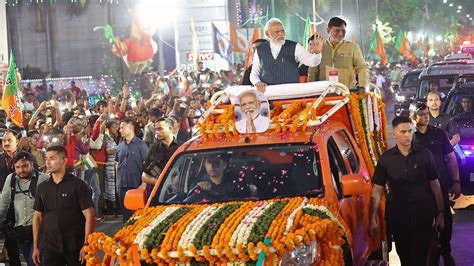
[459, 56]
[449, 68]
[414, 71]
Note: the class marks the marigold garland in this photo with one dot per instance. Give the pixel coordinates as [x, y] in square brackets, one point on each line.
[319, 224]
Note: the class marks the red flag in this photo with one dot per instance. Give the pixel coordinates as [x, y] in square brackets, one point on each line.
[249, 56]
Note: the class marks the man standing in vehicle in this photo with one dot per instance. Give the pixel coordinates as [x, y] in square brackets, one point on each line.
[277, 61]
[410, 171]
[437, 142]
[440, 119]
[341, 60]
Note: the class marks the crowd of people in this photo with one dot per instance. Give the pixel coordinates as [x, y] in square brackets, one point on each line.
[121, 143]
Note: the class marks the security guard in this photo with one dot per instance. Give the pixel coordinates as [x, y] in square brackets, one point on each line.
[412, 179]
[437, 142]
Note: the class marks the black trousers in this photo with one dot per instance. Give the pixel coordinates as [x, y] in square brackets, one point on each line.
[53, 258]
[11, 245]
[447, 232]
[412, 235]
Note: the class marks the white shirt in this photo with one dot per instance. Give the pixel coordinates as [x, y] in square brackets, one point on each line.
[301, 56]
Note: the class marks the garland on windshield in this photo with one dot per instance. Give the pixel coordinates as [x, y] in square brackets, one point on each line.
[225, 232]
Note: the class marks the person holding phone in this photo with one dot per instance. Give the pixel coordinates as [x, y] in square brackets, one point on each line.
[51, 113]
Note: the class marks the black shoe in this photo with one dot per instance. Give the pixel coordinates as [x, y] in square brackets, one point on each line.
[449, 260]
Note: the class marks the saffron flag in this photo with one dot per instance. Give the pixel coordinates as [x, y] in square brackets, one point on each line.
[195, 45]
[237, 38]
[249, 56]
[10, 100]
[402, 46]
[377, 46]
[221, 44]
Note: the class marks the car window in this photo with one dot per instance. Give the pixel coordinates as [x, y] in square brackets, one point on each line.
[443, 85]
[249, 173]
[460, 105]
[338, 169]
[410, 81]
[347, 150]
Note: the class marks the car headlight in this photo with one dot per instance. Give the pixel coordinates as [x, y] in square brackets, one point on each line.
[304, 255]
[399, 98]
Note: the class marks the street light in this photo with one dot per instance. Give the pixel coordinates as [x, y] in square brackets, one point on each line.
[450, 4]
[459, 11]
[445, 1]
[439, 38]
[459, 7]
[147, 11]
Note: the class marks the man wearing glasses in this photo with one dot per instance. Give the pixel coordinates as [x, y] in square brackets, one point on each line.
[341, 60]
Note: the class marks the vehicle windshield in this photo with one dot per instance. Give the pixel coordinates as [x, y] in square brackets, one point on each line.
[249, 173]
[410, 82]
[443, 85]
[459, 106]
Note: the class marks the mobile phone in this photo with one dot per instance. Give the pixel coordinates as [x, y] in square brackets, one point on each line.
[23, 134]
[49, 120]
[88, 113]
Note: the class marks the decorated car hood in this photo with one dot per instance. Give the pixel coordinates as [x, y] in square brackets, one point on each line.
[244, 231]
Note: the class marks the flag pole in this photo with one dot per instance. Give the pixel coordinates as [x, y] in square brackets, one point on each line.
[360, 29]
[314, 15]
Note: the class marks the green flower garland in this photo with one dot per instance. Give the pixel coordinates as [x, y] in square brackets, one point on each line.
[259, 230]
[206, 233]
[156, 235]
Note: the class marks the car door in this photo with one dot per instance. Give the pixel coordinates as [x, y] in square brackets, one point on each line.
[354, 209]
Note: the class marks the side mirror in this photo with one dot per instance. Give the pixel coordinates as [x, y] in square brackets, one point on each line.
[135, 199]
[354, 184]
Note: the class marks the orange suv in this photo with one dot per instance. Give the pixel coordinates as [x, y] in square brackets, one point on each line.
[297, 194]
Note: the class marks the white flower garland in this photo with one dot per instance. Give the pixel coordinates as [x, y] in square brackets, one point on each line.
[141, 237]
[367, 133]
[242, 232]
[193, 227]
[291, 218]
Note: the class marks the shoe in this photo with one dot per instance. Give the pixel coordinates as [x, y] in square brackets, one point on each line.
[449, 260]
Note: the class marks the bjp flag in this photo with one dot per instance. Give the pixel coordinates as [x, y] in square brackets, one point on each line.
[10, 100]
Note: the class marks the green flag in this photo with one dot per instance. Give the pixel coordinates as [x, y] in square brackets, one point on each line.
[307, 33]
[399, 40]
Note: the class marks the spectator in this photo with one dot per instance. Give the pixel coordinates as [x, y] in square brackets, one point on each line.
[64, 216]
[131, 153]
[150, 132]
[111, 141]
[74, 89]
[16, 202]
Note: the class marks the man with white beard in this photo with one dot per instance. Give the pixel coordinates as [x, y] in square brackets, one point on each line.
[277, 61]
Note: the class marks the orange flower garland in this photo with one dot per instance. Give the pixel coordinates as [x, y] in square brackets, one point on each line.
[305, 228]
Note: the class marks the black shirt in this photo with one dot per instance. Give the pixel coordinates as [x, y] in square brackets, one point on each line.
[62, 205]
[436, 140]
[446, 123]
[158, 156]
[408, 180]
[246, 76]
